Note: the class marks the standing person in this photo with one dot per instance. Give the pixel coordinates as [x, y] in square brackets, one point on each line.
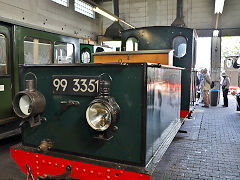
[201, 77]
[205, 86]
[225, 89]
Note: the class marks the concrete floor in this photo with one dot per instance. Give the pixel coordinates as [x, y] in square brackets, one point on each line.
[8, 168]
[210, 149]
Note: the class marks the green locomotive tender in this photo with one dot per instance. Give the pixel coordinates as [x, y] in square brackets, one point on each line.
[100, 120]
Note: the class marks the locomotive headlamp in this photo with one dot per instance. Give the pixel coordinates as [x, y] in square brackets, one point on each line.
[99, 116]
[29, 104]
[103, 111]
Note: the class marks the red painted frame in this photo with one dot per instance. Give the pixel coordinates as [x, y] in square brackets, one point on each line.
[42, 164]
[183, 113]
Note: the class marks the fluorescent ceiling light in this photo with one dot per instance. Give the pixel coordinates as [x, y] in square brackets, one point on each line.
[215, 33]
[219, 6]
[104, 13]
[110, 16]
[127, 24]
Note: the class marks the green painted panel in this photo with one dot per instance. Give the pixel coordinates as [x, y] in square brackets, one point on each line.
[5, 80]
[5, 97]
[69, 129]
[160, 37]
[22, 32]
[18, 45]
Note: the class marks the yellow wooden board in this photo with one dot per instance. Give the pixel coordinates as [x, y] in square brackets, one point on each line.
[148, 57]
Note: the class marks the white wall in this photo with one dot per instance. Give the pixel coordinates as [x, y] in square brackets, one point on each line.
[197, 14]
[47, 15]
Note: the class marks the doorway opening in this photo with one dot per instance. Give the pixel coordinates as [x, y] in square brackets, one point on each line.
[203, 55]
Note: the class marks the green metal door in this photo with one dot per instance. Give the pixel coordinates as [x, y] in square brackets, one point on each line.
[6, 112]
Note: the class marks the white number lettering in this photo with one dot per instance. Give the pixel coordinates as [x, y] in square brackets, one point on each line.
[81, 85]
[64, 84]
[97, 84]
[56, 84]
[84, 84]
[76, 84]
[92, 85]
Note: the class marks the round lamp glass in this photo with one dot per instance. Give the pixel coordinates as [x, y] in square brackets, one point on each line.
[24, 104]
[98, 116]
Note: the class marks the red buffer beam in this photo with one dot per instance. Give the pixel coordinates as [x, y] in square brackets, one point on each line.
[42, 165]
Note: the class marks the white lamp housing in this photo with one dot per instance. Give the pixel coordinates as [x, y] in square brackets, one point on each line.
[219, 4]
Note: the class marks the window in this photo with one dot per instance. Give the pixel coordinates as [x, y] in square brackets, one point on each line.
[132, 44]
[63, 53]
[3, 55]
[37, 51]
[85, 55]
[84, 8]
[62, 2]
[179, 46]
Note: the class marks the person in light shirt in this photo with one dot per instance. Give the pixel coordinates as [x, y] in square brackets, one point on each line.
[205, 86]
[225, 88]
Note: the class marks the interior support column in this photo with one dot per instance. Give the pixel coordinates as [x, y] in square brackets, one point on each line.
[216, 61]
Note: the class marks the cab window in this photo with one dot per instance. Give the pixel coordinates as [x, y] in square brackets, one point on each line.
[179, 46]
[63, 53]
[131, 44]
[3, 55]
[37, 51]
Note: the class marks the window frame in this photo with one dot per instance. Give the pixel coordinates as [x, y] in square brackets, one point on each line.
[6, 55]
[82, 12]
[39, 38]
[180, 35]
[73, 61]
[137, 41]
[55, 1]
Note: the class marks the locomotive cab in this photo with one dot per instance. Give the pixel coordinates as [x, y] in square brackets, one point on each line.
[182, 41]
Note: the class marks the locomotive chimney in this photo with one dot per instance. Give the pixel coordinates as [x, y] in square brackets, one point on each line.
[179, 22]
[114, 30]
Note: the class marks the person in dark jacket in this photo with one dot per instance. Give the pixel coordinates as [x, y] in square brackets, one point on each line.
[225, 89]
